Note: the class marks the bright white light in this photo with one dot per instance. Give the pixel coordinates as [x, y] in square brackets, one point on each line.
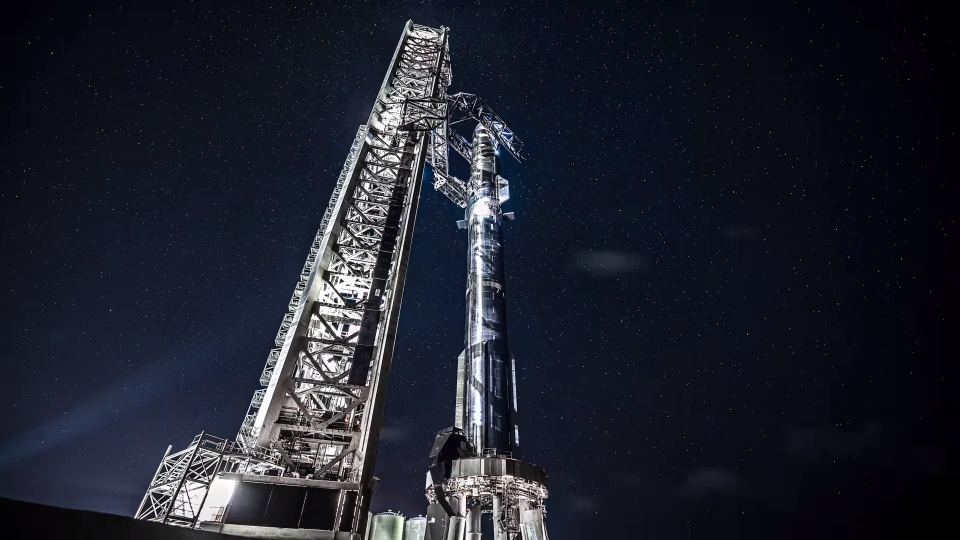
[217, 499]
[482, 210]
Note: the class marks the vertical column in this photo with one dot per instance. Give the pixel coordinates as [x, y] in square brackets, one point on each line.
[499, 517]
[488, 379]
[473, 532]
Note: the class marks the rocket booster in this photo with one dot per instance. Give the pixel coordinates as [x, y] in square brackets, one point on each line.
[486, 400]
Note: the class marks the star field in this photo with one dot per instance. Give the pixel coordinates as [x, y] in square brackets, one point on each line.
[725, 279]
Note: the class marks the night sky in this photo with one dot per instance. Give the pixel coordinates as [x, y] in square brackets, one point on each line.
[726, 279]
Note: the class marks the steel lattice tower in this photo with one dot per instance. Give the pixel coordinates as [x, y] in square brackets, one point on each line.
[304, 457]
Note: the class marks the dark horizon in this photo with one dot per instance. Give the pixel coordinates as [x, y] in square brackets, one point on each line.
[726, 277]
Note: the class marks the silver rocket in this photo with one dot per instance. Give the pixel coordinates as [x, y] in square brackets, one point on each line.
[486, 382]
[475, 470]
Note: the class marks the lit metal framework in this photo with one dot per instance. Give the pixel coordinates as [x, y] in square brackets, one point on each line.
[319, 415]
[444, 113]
[179, 488]
[304, 456]
[323, 403]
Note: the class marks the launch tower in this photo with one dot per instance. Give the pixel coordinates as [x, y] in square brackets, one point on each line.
[302, 463]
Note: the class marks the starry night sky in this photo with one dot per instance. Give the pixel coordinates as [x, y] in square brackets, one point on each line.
[726, 279]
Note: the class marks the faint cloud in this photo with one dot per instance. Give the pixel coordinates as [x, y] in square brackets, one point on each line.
[97, 410]
[394, 434]
[571, 498]
[155, 376]
[827, 442]
[929, 460]
[710, 481]
[744, 232]
[628, 479]
[607, 263]
[56, 335]
[581, 504]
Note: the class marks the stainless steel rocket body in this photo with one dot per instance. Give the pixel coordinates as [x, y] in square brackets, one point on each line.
[487, 371]
[474, 468]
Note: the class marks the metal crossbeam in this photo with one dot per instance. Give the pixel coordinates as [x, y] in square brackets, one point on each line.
[343, 286]
[471, 106]
[460, 145]
[179, 487]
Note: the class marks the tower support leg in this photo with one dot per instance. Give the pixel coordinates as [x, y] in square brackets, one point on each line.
[532, 526]
[473, 523]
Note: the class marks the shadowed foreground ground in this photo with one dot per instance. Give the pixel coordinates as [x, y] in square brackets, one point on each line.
[28, 520]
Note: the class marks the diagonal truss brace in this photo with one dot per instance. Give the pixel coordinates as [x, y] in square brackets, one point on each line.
[471, 106]
[424, 114]
[460, 145]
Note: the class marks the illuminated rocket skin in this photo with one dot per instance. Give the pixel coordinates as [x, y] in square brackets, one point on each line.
[487, 373]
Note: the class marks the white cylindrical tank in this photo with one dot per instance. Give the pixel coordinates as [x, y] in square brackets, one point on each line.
[385, 526]
[415, 528]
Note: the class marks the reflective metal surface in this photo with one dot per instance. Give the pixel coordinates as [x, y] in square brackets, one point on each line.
[487, 378]
[473, 473]
[319, 415]
[385, 526]
[415, 528]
